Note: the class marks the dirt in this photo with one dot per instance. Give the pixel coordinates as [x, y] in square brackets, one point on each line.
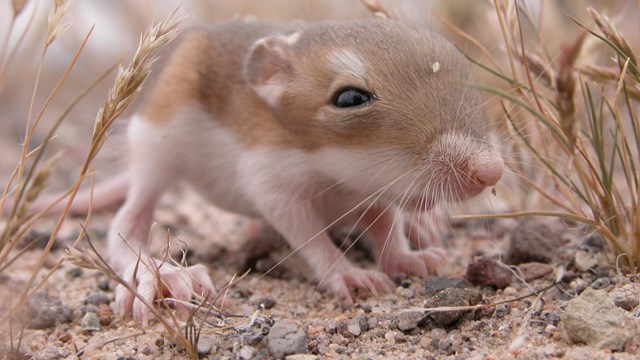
[392, 326]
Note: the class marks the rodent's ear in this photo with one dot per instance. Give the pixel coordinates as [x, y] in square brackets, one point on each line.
[268, 68]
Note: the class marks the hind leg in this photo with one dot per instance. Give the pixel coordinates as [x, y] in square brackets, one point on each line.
[152, 172]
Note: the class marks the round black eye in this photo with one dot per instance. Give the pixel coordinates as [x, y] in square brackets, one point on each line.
[350, 97]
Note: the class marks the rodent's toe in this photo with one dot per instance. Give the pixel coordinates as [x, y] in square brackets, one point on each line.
[176, 283]
[341, 283]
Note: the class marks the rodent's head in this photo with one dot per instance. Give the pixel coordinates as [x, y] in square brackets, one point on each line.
[384, 106]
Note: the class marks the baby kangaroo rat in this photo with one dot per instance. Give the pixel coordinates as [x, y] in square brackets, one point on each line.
[309, 127]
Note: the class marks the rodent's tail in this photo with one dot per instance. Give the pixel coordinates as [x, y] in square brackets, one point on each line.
[106, 195]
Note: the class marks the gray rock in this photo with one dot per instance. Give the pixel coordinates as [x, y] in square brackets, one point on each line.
[585, 260]
[410, 320]
[90, 322]
[302, 357]
[489, 272]
[372, 322]
[97, 298]
[50, 353]
[46, 311]
[503, 310]
[268, 302]
[550, 316]
[593, 242]
[601, 283]
[453, 297]
[593, 318]
[353, 327]
[437, 283]
[246, 352]
[627, 297]
[205, 344]
[287, 337]
[104, 285]
[75, 272]
[533, 240]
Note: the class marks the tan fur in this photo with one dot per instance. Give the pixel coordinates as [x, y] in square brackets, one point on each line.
[207, 69]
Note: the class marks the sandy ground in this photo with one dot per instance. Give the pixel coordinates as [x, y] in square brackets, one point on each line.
[504, 331]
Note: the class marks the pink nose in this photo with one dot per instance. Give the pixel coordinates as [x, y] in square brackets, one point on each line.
[488, 173]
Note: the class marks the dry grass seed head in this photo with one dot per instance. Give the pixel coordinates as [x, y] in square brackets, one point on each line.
[56, 25]
[129, 80]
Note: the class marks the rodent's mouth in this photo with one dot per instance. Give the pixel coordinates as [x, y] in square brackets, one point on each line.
[456, 194]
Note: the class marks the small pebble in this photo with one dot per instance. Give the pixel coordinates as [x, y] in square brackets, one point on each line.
[534, 270]
[550, 329]
[585, 260]
[551, 317]
[268, 302]
[509, 291]
[533, 240]
[409, 320]
[205, 344]
[503, 310]
[287, 337]
[97, 298]
[390, 336]
[489, 272]
[46, 311]
[437, 283]
[452, 297]
[90, 322]
[593, 241]
[302, 357]
[104, 285]
[627, 297]
[50, 353]
[246, 352]
[600, 283]
[75, 272]
[354, 328]
[398, 278]
[405, 292]
[373, 322]
[446, 345]
[159, 342]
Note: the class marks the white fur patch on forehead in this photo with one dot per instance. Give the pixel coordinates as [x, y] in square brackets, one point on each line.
[344, 60]
[293, 38]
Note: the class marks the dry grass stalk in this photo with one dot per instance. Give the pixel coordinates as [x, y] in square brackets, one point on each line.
[128, 83]
[565, 83]
[57, 24]
[590, 152]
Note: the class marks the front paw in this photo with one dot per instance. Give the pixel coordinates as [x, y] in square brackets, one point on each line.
[342, 281]
[168, 281]
[421, 263]
[425, 230]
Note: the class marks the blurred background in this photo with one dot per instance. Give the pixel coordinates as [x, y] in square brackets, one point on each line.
[118, 25]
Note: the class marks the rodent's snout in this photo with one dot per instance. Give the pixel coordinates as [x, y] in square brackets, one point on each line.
[488, 173]
[464, 167]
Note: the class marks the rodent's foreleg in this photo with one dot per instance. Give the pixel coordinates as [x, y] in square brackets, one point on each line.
[154, 169]
[388, 235]
[306, 232]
